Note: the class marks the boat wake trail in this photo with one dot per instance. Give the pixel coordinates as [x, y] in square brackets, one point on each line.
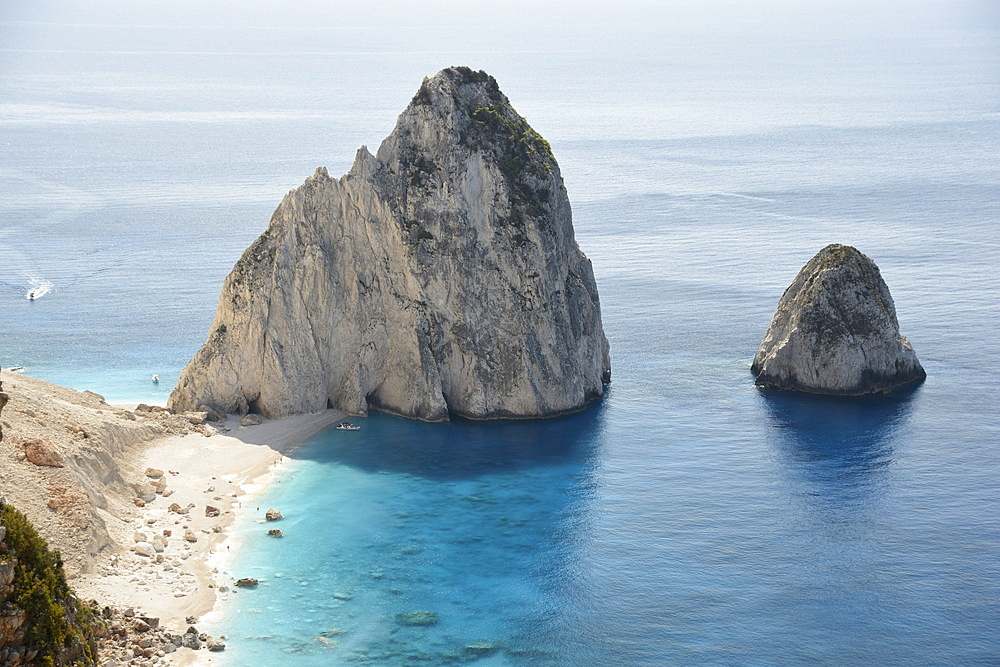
[38, 289]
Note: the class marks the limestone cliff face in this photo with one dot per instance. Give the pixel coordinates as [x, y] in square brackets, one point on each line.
[439, 277]
[835, 331]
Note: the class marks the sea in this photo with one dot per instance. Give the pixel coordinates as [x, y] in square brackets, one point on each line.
[709, 150]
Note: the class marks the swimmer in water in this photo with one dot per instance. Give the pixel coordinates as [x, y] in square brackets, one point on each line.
[156, 379]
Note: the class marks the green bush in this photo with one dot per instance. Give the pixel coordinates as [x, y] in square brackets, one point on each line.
[54, 620]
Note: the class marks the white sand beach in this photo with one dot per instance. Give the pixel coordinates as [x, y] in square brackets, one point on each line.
[228, 472]
[83, 495]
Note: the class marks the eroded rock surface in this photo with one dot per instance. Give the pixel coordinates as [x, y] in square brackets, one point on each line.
[835, 331]
[439, 277]
[3, 403]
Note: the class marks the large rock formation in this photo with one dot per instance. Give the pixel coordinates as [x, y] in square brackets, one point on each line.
[835, 331]
[440, 277]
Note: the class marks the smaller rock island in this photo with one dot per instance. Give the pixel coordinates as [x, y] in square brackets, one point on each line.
[835, 331]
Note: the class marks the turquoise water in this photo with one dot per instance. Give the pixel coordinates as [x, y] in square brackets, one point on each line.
[689, 517]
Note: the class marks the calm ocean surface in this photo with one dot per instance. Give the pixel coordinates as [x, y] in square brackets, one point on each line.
[689, 518]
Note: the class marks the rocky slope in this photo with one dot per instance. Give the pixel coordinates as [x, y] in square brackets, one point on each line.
[439, 277]
[3, 403]
[66, 461]
[835, 331]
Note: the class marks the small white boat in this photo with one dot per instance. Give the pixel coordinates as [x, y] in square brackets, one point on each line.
[30, 296]
[156, 379]
[344, 426]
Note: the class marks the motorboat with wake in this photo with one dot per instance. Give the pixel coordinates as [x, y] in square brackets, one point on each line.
[345, 426]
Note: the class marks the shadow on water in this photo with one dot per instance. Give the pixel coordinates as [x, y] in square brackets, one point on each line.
[461, 449]
[838, 440]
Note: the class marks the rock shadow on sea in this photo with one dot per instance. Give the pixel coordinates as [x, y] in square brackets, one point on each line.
[460, 449]
[842, 443]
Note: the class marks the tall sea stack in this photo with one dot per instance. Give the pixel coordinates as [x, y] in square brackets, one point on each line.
[438, 278]
[835, 331]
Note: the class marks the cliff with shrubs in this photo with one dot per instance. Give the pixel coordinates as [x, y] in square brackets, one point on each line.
[41, 622]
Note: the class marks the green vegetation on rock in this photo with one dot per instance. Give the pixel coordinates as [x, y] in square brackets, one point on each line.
[521, 153]
[56, 625]
[524, 149]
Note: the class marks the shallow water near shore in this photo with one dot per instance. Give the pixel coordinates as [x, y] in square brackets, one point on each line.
[751, 526]
[688, 518]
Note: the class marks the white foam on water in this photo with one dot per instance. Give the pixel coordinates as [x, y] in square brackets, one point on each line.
[39, 288]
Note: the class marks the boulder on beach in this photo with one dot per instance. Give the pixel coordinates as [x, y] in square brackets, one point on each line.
[43, 453]
[143, 535]
[144, 549]
[211, 414]
[835, 331]
[251, 419]
[147, 492]
[195, 418]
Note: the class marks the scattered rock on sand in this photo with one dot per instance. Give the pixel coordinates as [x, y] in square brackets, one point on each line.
[144, 549]
[42, 453]
[190, 536]
[210, 414]
[143, 535]
[196, 418]
[417, 617]
[145, 491]
[214, 644]
[211, 511]
[190, 640]
[247, 582]
[153, 472]
[273, 515]
[177, 509]
[251, 419]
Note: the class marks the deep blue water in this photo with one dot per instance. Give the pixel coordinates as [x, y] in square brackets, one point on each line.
[687, 518]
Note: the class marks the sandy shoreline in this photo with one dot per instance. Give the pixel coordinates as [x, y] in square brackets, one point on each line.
[227, 471]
